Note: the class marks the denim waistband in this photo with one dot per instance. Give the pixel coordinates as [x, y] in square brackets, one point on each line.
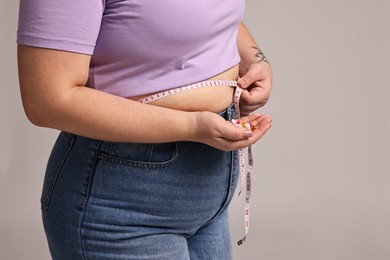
[228, 113]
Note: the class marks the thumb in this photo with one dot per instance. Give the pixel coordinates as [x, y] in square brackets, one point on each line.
[235, 133]
[246, 80]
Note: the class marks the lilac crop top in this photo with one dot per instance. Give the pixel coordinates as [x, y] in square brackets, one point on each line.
[138, 46]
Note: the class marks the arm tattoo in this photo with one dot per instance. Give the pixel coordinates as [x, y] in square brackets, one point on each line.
[260, 55]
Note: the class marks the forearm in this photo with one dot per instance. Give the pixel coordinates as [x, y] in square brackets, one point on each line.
[54, 95]
[255, 73]
[249, 51]
[95, 114]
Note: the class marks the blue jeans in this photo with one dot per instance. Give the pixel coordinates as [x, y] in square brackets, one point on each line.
[110, 200]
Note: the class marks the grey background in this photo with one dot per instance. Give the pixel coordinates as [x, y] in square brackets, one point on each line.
[322, 174]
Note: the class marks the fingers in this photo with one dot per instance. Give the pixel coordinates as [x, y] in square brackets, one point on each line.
[234, 133]
[246, 80]
[256, 72]
[250, 101]
[256, 84]
[221, 134]
[253, 118]
[251, 76]
[253, 97]
[261, 124]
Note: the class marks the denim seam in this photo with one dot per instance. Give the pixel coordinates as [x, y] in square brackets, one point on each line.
[229, 191]
[70, 142]
[229, 195]
[139, 164]
[151, 153]
[89, 179]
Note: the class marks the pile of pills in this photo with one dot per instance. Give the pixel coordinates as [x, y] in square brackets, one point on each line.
[238, 123]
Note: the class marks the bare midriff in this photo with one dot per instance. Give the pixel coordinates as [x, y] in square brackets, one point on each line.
[214, 98]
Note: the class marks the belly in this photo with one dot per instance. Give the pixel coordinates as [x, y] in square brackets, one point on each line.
[214, 99]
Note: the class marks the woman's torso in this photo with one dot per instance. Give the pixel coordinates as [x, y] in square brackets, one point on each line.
[149, 47]
[209, 98]
[141, 47]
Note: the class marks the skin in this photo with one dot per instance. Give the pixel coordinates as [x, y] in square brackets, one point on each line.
[256, 77]
[54, 95]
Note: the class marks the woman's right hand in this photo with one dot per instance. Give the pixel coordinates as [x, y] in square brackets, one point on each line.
[215, 131]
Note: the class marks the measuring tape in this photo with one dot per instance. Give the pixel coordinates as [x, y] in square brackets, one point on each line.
[241, 155]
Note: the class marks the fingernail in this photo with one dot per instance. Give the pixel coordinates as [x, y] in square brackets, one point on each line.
[248, 134]
[241, 82]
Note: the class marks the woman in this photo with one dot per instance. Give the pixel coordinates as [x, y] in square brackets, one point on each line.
[128, 180]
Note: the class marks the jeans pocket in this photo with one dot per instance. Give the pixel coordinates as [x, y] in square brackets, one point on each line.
[142, 155]
[58, 155]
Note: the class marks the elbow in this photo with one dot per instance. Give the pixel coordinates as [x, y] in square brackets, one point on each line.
[47, 107]
[34, 114]
[40, 110]
[36, 120]
[48, 110]
[43, 107]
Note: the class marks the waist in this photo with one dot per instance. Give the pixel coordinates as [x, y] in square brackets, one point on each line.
[214, 98]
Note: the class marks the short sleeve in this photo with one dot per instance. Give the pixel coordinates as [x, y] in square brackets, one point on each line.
[69, 25]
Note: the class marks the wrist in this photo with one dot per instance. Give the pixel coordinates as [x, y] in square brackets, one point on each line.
[254, 66]
[192, 126]
[253, 57]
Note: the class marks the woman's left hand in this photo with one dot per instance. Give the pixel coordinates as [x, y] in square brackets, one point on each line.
[256, 82]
